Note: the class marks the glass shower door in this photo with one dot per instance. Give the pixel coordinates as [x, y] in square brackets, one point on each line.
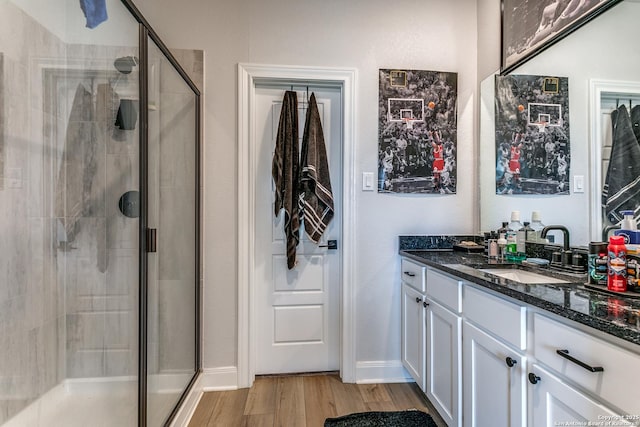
[172, 276]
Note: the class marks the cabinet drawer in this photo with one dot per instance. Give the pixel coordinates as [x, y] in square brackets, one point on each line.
[616, 384]
[503, 318]
[413, 274]
[445, 289]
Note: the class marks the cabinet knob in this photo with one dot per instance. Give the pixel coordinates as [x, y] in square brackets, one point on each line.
[418, 300]
[533, 378]
[425, 304]
[510, 362]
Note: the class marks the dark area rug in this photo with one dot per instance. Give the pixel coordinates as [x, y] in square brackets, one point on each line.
[383, 419]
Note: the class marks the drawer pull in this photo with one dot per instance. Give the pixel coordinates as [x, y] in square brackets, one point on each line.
[418, 300]
[410, 274]
[533, 378]
[565, 354]
[511, 362]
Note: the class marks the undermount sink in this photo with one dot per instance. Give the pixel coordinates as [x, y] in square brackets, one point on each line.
[521, 276]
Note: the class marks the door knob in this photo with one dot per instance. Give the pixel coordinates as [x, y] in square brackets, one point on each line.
[418, 300]
[425, 304]
[511, 362]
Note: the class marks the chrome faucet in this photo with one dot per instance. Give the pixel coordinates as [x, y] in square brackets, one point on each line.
[562, 228]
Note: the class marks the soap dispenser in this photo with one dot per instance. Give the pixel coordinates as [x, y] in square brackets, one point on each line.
[628, 228]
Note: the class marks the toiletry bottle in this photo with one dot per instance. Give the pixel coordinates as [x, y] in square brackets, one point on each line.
[597, 263]
[628, 229]
[617, 264]
[633, 273]
[523, 235]
[512, 234]
[502, 240]
[537, 226]
[492, 245]
[502, 231]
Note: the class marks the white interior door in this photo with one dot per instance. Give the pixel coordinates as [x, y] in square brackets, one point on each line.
[297, 327]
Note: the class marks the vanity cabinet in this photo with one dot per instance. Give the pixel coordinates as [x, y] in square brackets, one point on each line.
[494, 362]
[591, 376]
[413, 320]
[413, 333]
[484, 359]
[443, 346]
[554, 402]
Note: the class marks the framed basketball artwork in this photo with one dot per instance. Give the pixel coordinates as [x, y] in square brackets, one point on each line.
[528, 27]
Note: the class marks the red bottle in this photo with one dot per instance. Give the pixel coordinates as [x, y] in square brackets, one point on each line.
[617, 264]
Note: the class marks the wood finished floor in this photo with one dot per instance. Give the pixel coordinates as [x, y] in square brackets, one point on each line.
[304, 401]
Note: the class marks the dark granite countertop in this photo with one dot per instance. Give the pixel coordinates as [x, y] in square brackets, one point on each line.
[614, 314]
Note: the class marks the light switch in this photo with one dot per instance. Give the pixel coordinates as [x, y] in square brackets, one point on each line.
[367, 181]
[578, 183]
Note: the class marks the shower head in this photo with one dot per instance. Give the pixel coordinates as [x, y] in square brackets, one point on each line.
[125, 64]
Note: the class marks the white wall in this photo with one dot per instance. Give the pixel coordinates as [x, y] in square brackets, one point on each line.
[605, 48]
[366, 35]
[65, 19]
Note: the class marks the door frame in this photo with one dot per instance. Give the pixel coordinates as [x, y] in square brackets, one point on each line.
[249, 76]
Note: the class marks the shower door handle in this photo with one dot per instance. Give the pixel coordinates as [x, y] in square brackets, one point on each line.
[151, 239]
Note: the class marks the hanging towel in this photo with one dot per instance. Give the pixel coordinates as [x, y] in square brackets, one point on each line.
[622, 182]
[635, 121]
[95, 11]
[286, 174]
[79, 164]
[316, 198]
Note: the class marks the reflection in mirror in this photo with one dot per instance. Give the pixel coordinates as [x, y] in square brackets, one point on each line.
[615, 139]
[605, 50]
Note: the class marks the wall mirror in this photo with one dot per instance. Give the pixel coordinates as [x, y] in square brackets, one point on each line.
[601, 61]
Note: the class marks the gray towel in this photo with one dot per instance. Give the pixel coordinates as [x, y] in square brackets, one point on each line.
[622, 183]
[79, 164]
[316, 198]
[635, 121]
[286, 174]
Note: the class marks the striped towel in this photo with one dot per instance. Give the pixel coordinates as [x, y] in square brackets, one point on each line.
[622, 183]
[285, 171]
[316, 199]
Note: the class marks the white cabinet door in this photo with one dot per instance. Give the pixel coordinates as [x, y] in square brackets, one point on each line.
[494, 385]
[443, 362]
[552, 402]
[413, 333]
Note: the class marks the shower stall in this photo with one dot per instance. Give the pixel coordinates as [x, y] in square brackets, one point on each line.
[99, 217]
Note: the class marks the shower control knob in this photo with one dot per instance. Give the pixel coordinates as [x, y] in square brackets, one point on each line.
[129, 204]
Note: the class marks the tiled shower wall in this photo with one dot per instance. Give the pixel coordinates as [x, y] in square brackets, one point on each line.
[69, 309]
[32, 317]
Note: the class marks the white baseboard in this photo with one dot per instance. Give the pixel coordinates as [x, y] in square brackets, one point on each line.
[214, 379]
[218, 379]
[189, 405]
[381, 371]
